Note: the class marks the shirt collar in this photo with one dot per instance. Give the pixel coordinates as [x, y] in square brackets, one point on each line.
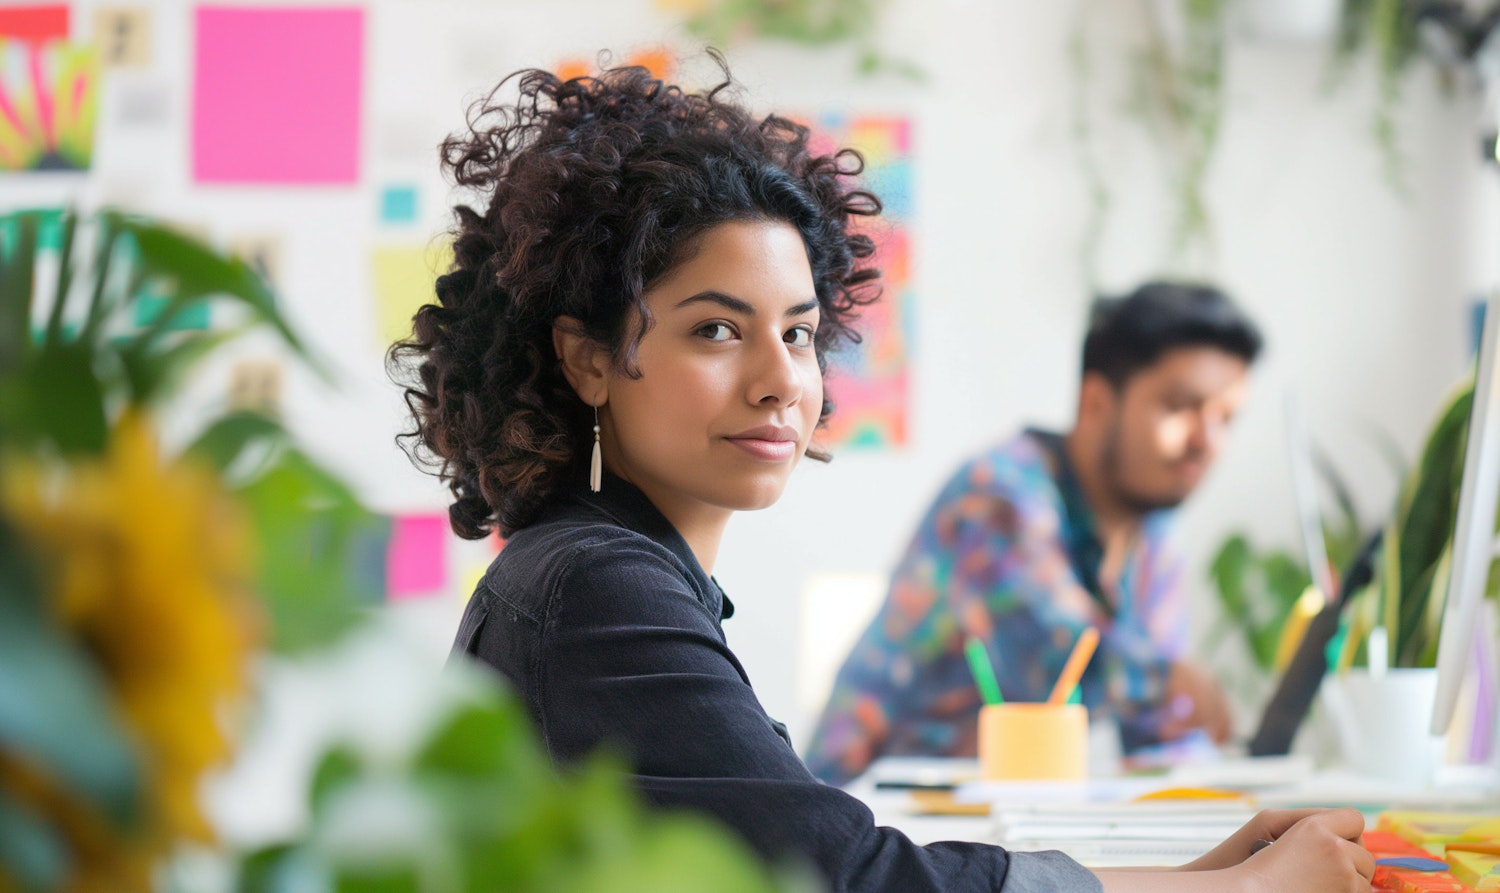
[1079, 528]
[628, 507]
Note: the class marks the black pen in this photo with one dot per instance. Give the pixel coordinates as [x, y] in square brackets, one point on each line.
[893, 785]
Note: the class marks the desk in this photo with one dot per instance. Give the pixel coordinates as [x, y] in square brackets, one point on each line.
[1275, 782]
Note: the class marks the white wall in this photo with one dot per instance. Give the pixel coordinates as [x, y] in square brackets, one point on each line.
[1360, 293]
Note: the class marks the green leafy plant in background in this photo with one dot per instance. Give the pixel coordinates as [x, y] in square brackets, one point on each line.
[1180, 94]
[813, 23]
[1397, 33]
[1177, 93]
[126, 605]
[63, 386]
[1407, 594]
[1258, 589]
[138, 584]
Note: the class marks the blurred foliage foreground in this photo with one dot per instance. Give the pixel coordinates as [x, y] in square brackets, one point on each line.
[142, 589]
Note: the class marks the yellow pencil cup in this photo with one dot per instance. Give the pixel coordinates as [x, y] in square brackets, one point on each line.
[1034, 742]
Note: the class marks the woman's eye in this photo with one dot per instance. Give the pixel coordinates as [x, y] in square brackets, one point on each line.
[801, 336]
[716, 331]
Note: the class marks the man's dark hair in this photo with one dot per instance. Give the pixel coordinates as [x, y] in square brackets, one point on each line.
[1130, 333]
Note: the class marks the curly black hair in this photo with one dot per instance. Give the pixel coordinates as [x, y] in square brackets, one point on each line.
[598, 186]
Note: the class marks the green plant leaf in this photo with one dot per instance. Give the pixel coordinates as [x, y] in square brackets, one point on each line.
[678, 855]
[150, 373]
[1423, 527]
[309, 527]
[378, 879]
[104, 272]
[54, 708]
[63, 399]
[339, 766]
[18, 236]
[198, 273]
[222, 443]
[1228, 570]
[68, 224]
[270, 869]
[31, 852]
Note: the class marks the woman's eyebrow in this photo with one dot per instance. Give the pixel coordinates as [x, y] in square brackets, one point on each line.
[741, 306]
[718, 297]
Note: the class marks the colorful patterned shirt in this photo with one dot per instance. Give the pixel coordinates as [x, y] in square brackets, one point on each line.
[1008, 553]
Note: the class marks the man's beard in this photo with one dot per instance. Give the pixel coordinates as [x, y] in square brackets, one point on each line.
[1132, 501]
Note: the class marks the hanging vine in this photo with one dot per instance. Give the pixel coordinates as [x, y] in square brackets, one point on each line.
[809, 22]
[1178, 95]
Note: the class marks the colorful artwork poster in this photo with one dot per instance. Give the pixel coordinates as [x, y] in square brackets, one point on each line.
[869, 382]
[276, 94]
[49, 98]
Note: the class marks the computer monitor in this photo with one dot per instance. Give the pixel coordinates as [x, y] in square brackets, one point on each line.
[1474, 525]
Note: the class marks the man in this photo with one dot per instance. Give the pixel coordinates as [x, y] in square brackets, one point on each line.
[1046, 534]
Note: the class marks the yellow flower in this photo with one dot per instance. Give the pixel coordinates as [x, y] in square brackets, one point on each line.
[147, 564]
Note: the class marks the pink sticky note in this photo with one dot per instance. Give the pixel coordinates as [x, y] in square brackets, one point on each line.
[276, 94]
[416, 565]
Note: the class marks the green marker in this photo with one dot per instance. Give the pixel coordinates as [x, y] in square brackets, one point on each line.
[984, 673]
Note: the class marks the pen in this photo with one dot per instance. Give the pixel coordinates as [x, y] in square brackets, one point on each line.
[1259, 845]
[984, 672]
[891, 784]
[1072, 671]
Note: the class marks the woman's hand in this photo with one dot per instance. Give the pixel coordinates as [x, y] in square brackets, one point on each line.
[1314, 850]
[1268, 824]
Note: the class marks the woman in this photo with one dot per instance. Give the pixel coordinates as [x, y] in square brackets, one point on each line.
[628, 349]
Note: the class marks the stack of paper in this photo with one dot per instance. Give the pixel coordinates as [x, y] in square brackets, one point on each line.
[1122, 834]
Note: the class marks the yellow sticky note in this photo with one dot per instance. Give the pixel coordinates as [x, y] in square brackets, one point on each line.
[404, 281]
[1481, 871]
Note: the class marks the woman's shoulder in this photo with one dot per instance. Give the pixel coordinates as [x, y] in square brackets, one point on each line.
[581, 559]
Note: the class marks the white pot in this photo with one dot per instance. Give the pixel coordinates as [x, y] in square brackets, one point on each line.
[1382, 723]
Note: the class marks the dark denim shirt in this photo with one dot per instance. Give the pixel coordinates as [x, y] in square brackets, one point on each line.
[604, 622]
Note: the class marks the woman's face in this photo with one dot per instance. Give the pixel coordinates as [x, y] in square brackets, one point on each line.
[729, 389]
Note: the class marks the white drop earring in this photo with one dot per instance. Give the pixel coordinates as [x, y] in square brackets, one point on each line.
[596, 464]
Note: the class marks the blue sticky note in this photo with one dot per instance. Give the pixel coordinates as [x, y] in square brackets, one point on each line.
[1416, 863]
[398, 204]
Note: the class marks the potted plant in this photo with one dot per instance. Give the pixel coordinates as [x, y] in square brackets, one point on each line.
[1382, 663]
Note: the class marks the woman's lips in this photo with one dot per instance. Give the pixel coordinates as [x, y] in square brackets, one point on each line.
[770, 450]
[773, 443]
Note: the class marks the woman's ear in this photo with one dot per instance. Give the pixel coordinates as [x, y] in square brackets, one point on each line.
[585, 362]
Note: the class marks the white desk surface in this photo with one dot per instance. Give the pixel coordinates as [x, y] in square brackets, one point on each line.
[1276, 782]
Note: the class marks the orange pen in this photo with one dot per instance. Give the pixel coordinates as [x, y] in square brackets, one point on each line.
[1072, 671]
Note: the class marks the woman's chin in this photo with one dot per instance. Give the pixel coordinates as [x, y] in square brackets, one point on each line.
[757, 495]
